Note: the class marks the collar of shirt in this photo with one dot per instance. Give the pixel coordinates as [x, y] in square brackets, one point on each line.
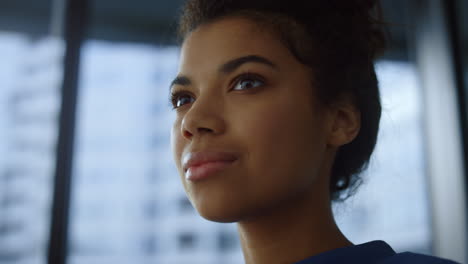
[369, 252]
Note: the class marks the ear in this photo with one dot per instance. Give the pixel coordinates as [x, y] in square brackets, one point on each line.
[345, 123]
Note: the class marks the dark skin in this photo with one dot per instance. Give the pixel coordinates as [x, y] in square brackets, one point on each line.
[286, 139]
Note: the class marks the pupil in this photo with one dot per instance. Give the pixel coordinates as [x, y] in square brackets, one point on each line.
[181, 100]
[247, 84]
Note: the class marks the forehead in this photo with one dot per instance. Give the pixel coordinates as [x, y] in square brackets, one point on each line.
[213, 44]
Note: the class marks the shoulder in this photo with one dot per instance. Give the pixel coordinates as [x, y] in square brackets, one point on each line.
[415, 258]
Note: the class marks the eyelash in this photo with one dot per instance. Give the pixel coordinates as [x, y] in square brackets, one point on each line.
[241, 77]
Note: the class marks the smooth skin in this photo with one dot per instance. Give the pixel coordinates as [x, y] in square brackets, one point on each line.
[277, 191]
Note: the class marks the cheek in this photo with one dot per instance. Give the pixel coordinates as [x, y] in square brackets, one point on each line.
[284, 143]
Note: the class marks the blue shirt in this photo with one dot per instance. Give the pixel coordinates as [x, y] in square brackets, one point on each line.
[376, 251]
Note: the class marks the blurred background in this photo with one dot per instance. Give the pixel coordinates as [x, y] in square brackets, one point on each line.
[86, 172]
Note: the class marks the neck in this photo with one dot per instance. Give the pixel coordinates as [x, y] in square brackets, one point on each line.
[288, 234]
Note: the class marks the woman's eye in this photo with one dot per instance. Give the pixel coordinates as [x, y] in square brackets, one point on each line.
[248, 82]
[245, 82]
[177, 99]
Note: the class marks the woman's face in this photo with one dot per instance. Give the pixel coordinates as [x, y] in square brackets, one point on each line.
[246, 94]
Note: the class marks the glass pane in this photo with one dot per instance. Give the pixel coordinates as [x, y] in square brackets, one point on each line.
[30, 78]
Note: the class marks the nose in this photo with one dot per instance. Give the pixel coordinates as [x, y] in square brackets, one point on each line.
[203, 118]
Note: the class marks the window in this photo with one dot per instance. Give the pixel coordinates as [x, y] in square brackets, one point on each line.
[127, 204]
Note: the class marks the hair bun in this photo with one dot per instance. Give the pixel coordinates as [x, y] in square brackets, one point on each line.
[367, 19]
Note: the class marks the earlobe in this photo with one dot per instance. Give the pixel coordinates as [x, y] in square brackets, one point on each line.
[345, 124]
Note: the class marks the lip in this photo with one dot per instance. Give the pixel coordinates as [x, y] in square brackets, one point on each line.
[200, 165]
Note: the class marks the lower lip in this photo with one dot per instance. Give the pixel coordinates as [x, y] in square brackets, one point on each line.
[206, 170]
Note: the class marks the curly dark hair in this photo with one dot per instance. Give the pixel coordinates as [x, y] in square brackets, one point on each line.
[339, 40]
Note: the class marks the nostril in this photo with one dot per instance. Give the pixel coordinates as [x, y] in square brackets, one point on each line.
[187, 134]
[201, 130]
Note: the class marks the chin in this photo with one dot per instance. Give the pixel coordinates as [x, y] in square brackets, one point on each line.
[219, 213]
[229, 212]
[223, 209]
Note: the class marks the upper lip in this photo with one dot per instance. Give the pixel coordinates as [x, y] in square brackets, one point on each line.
[197, 158]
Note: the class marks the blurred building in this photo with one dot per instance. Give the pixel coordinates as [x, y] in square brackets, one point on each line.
[30, 75]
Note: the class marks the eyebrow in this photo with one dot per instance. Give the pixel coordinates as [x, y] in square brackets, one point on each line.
[227, 68]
